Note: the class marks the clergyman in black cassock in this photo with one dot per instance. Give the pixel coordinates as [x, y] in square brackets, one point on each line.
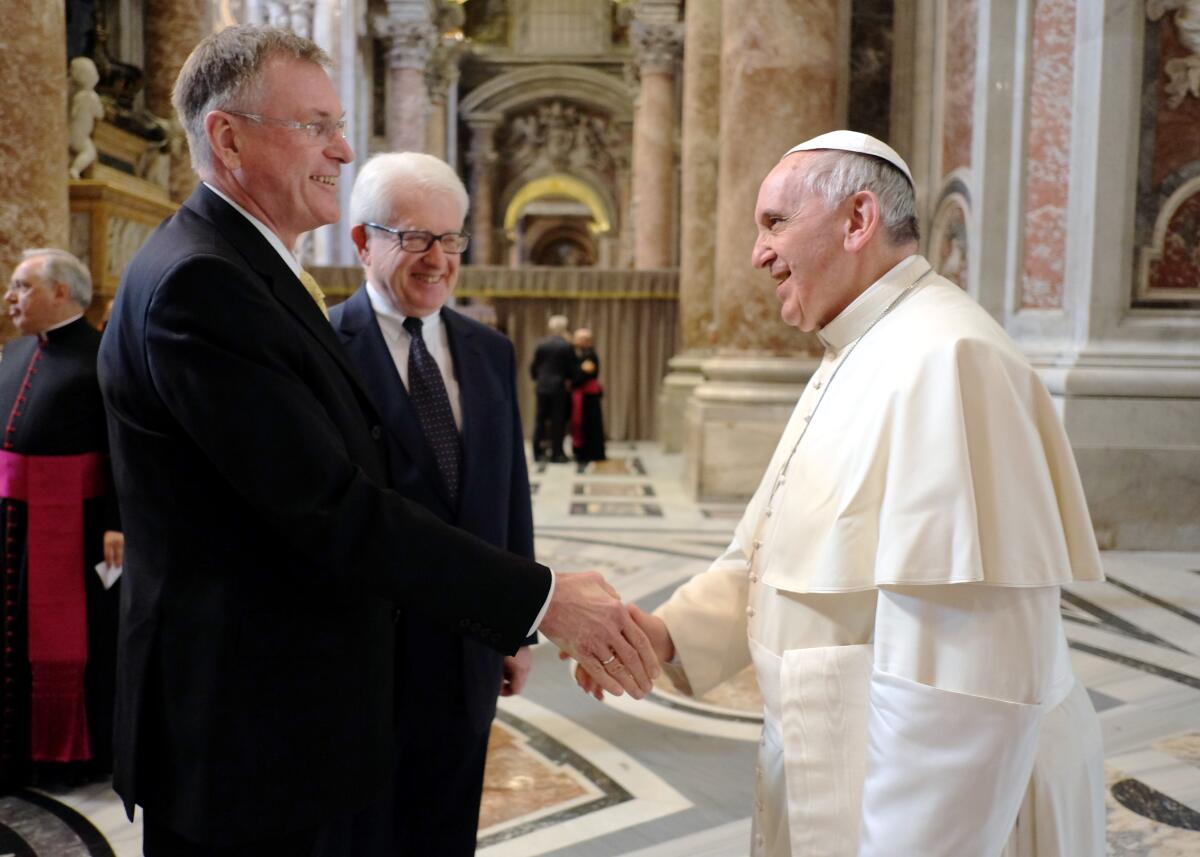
[60, 623]
[587, 419]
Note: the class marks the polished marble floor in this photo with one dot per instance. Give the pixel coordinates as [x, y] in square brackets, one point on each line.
[670, 776]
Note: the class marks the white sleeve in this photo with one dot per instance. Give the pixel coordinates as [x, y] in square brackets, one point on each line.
[957, 692]
[707, 620]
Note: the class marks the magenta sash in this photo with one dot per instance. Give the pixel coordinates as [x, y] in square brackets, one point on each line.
[53, 488]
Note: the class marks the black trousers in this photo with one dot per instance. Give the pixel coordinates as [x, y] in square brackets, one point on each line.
[159, 841]
[550, 424]
[430, 809]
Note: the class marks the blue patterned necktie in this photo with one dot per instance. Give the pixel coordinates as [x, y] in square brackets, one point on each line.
[428, 394]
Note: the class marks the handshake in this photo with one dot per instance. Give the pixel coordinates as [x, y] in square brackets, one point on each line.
[617, 646]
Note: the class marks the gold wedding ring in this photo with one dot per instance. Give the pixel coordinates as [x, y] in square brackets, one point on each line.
[611, 658]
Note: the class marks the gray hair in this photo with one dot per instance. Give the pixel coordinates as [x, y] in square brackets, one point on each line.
[557, 325]
[392, 175]
[225, 70]
[838, 175]
[59, 266]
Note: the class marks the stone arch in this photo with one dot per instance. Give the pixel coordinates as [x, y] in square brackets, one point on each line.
[527, 86]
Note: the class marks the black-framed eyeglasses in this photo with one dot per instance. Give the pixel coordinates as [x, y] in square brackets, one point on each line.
[419, 240]
[323, 130]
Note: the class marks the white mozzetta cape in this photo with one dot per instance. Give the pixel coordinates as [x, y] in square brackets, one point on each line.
[935, 456]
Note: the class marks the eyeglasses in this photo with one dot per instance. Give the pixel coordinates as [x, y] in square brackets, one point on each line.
[322, 130]
[419, 241]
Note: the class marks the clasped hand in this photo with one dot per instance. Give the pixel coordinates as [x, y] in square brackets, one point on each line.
[588, 622]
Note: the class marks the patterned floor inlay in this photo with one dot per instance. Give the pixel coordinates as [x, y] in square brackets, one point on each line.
[33, 824]
[612, 489]
[631, 466]
[617, 510]
[671, 776]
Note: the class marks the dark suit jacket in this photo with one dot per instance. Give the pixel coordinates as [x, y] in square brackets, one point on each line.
[458, 677]
[552, 366]
[263, 560]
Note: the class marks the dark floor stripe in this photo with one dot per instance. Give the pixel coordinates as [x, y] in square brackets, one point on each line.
[1154, 599]
[92, 838]
[1150, 803]
[1117, 623]
[610, 544]
[1143, 666]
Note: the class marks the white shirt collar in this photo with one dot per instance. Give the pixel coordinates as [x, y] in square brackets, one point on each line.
[853, 321]
[272, 239]
[383, 306]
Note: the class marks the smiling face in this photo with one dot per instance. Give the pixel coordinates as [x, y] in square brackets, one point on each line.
[281, 176]
[417, 283]
[801, 243]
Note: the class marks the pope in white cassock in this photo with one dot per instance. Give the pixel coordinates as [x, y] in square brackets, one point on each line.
[895, 579]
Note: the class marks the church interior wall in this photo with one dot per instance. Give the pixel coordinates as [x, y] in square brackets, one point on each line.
[1054, 144]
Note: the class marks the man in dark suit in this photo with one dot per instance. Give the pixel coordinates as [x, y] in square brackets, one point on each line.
[552, 367]
[264, 561]
[408, 211]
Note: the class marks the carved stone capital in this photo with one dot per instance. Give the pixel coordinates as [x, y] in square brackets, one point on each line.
[657, 47]
[442, 71]
[410, 43]
[1183, 73]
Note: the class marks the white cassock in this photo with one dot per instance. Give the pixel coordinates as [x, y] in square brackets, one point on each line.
[895, 582]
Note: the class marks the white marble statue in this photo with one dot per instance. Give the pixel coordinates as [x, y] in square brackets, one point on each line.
[85, 110]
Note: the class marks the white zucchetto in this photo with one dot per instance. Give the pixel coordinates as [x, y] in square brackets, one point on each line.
[855, 141]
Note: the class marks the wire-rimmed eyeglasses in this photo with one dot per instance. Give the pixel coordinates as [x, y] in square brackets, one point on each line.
[420, 240]
[323, 130]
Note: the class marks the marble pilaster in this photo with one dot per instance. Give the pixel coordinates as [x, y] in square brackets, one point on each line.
[783, 73]
[698, 215]
[482, 158]
[657, 43]
[173, 28]
[410, 43]
[33, 66]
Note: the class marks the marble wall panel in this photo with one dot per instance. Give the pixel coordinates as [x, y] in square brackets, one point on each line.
[960, 22]
[33, 148]
[780, 62]
[871, 43]
[1048, 152]
[1168, 221]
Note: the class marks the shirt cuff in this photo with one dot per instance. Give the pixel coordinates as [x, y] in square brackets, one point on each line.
[542, 613]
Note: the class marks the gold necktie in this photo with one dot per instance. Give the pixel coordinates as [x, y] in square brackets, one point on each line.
[310, 286]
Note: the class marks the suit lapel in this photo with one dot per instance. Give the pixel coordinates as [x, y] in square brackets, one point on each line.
[365, 343]
[469, 364]
[267, 263]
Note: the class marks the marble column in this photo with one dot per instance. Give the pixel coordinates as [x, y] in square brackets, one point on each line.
[173, 28]
[698, 215]
[657, 44]
[34, 210]
[410, 43]
[442, 81]
[482, 159]
[784, 67]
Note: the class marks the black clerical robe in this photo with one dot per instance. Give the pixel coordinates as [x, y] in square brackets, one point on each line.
[587, 420]
[54, 445]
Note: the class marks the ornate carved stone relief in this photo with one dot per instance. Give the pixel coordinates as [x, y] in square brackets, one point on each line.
[657, 47]
[562, 137]
[1183, 73]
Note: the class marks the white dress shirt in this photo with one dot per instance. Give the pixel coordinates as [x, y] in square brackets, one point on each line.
[433, 331]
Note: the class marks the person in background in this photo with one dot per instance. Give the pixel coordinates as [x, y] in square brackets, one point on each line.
[445, 386]
[587, 420]
[59, 516]
[552, 367]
